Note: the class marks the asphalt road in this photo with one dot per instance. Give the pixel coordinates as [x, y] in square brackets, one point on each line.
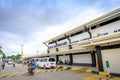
[20, 73]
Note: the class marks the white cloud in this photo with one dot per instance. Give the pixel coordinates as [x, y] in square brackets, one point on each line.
[52, 31]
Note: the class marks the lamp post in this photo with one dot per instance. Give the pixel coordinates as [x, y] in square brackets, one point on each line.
[21, 50]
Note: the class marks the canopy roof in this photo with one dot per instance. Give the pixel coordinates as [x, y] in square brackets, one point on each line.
[94, 22]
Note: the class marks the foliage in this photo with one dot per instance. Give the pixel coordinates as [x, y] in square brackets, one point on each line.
[4, 55]
[1, 52]
[14, 57]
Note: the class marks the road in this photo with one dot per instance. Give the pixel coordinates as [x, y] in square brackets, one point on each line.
[20, 73]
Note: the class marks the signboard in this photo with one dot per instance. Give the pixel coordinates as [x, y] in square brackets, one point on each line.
[107, 64]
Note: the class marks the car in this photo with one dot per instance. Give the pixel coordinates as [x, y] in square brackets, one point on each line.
[10, 61]
[46, 62]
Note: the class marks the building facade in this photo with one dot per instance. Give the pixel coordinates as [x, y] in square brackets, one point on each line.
[95, 43]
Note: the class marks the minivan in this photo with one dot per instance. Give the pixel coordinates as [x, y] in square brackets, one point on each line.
[46, 62]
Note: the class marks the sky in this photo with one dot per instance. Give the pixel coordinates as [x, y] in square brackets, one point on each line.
[31, 22]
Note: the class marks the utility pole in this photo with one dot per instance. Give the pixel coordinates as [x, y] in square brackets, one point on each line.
[21, 50]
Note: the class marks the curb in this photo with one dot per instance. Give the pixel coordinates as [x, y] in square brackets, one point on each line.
[83, 69]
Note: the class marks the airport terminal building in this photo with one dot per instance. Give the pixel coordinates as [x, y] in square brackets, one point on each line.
[95, 43]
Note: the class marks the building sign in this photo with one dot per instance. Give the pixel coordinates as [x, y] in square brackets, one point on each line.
[107, 64]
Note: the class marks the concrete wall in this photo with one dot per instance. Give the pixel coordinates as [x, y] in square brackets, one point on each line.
[82, 58]
[113, 56]
[80, 37]
[109, 28]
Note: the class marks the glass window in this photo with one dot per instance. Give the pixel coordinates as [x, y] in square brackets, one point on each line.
[51, 59]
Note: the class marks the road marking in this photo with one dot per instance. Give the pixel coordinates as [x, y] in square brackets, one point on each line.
[12, 75]
[50, 70]
[1, 76]
[59, 69]
[44, 71]
[55, 70]
[38, 71]
[21, 73]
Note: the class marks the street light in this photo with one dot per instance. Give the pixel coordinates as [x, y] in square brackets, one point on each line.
[21, 50]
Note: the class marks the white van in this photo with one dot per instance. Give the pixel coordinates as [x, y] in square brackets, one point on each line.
[46, 62]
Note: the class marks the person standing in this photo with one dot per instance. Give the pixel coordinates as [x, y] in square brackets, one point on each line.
[3, 65]
[13, 64]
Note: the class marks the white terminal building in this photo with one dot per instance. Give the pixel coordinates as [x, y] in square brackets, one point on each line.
[93, 43]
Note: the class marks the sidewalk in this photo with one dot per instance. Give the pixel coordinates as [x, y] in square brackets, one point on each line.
[91, 77]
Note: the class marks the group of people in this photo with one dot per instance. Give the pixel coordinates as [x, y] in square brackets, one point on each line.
[67, 62]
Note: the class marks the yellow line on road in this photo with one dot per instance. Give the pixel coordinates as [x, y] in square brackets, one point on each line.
[38, 71]
[55, 70]
[50, 70]
[44, 70]
[12, 74]
[21, 73]
[4, 75]
[59, 69]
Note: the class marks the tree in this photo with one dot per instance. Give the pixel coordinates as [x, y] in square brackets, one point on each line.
[1, 52]
[4, 55]
[18, 56]
[14, 57]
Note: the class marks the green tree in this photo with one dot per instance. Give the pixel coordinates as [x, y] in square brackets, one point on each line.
[14, 57]
[4, 55]
[1, 52]
[18, 56]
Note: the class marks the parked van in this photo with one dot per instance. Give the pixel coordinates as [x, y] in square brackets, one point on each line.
[46, 62]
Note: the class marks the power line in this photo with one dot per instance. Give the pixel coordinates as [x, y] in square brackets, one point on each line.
[8, 48]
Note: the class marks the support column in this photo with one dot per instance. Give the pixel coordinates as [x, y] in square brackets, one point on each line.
[71, 59]
[87, 29]
[57, 59]
[68, 37]
[93, 59]
[99, 58]
[56, 45]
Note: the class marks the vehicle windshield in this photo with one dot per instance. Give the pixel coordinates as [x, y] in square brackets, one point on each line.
[51, 59]
[10, 60]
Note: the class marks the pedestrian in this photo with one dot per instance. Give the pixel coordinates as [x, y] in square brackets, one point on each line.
[3, 65]
[13, 64]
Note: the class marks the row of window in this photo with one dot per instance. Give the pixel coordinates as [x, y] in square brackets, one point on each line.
[110, 47]
[118, 30]
[58, 45]
[93, 27]
[65, 43]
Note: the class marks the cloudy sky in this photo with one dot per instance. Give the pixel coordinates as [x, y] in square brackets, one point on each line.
[31, 22]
